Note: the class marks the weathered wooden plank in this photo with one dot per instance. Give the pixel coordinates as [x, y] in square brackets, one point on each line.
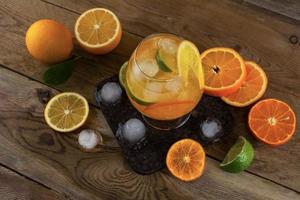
[289, 8]
[258, 36]
[240, 25]
[30, 147]
[14, 186]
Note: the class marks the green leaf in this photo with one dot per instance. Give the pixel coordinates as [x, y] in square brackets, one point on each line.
[61, 72]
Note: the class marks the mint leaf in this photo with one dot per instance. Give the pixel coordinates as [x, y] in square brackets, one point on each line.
[61, 72]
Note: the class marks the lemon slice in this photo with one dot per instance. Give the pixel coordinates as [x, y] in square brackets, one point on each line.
[66, 112]
[188, 58]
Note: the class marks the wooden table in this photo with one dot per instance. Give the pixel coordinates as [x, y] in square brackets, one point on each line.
[39, 163]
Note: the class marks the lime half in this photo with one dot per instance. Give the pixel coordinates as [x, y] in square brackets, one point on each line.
[122, 80]
[239, 157]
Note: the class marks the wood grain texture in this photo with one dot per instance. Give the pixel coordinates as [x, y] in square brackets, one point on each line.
[30, 147]
[220, 23]
[13, 186]
[289, 8]
[256, 35]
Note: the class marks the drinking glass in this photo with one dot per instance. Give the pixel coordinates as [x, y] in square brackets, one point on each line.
[154, 86]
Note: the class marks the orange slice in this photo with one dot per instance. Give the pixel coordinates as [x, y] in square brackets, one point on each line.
[252, 89]
[272, 121]
[224, 71]
[186, 159]
[98, 30]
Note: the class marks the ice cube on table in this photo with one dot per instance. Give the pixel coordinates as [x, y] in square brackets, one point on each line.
[110, 93]
[168, 45]
[211, 127]
[88, 139]
[133, 130]
[149, 67]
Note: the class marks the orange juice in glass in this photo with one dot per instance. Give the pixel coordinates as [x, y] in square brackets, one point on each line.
[164, 80]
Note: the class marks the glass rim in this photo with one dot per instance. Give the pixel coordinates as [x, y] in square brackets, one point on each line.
[135, 55]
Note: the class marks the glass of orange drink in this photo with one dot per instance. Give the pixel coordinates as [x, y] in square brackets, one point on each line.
[164, 80]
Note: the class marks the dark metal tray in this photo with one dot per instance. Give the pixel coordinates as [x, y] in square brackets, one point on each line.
[148, 155]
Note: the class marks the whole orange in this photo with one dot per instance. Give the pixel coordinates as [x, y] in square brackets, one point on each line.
[49, 41]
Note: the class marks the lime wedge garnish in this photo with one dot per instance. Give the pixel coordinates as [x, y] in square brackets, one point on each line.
[239, 157]
[161, 63]
[138, 100]
[122, 74]
[122, 80]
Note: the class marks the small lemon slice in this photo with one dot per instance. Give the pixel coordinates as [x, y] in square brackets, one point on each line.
[66, 112]
[188, 58]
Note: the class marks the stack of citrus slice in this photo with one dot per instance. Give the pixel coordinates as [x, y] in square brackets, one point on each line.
[239, 83]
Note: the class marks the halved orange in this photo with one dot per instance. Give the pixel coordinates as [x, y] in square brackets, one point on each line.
[98, 30]
[186, 159]
[66, 112]
[224, 71]
[252, 89]
[272, 121]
